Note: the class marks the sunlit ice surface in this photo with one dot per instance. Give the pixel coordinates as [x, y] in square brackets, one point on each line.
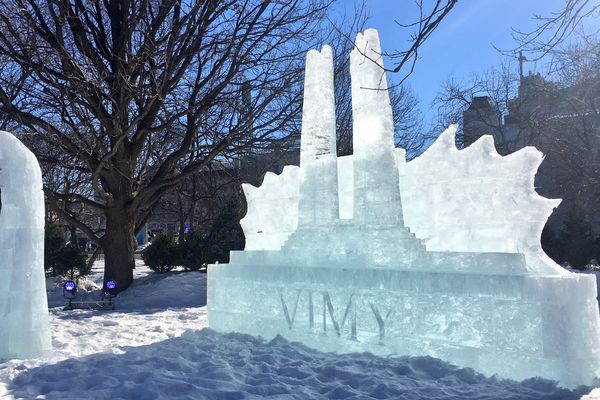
[440, 256]
[24, 323]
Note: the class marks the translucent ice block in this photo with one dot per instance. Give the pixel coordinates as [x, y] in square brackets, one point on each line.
[24, 324]
[439, 256]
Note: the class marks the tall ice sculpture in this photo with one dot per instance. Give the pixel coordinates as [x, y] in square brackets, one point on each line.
[24, 323]
[439, 256]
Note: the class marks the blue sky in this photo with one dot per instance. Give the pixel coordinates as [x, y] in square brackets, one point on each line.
[463, 43]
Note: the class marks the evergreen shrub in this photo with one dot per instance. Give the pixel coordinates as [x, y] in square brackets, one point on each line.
[162, 255]
[60, 257]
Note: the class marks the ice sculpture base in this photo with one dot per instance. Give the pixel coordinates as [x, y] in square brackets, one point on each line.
[515, 325]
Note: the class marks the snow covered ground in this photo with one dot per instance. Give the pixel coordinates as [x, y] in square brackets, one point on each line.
[155, 345]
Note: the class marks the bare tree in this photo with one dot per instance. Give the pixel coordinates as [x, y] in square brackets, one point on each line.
[408, 120]
[137, 95]
[499, 84]
[409, 125]
[559, 114]
[553, 31]
[428, 21]
[430, 16]
[198, 200]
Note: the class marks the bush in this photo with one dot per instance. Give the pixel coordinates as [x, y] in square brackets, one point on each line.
[162, 255]
[225, 235]
[61, 258]
[54, 240]
[192, 252]
[72, 258]
[197, 250]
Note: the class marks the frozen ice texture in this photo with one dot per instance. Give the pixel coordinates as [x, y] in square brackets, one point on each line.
[475, 200]
[24, 323]
[376, 193]
[439, 256]
[274, 205]
[318, 202]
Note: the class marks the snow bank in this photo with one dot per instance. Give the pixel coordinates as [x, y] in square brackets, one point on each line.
[207, 365]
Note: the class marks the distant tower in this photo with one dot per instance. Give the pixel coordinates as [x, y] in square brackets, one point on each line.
[481, 118]
[522, 60]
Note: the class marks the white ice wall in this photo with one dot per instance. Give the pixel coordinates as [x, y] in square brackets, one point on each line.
[470, 200]
[272, 210]
[474, 200]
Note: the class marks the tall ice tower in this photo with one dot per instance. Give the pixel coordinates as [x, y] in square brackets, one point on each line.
[376, 190]
[318, 202]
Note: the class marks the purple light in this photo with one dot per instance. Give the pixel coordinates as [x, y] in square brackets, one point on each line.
[70, 286]
[111, 285]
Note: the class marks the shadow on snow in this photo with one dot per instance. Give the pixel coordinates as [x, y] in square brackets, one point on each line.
[173, 290]
[209, 365]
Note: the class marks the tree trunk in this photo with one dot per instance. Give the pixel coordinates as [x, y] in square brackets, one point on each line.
[119, 247]
[180, 206]
[73, 233]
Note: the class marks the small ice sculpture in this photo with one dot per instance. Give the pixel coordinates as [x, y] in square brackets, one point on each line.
[439, 256]
[24, 323]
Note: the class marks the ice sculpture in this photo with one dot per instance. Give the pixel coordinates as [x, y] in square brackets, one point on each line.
[318, 203]
[24, 323]
[439, 256]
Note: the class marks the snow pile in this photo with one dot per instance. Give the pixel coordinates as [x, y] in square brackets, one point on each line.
[593, 395]
[141, 351]
[207, 365]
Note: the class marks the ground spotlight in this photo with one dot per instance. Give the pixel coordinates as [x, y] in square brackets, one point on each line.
[69, 290]
[111, 287]
[105, 302]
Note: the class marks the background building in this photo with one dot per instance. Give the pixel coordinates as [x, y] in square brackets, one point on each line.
[563, 123]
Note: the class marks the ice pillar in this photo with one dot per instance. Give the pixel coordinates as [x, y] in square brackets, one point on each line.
[318, 202]
[376, 190]
[24, 323]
